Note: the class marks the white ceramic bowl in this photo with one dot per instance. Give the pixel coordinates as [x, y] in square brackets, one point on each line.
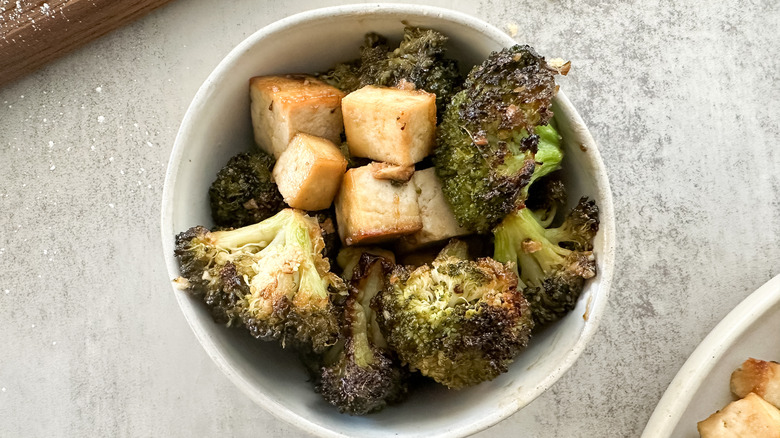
[701, 387]
[217, 126]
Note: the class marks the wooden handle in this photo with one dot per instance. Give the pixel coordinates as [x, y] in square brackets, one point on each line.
[33, 32]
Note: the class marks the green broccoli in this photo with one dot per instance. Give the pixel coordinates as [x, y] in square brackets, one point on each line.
[485, 156]
[545, 193]
[548, 157]
[346, 75]
[553, 262]
[458, 321]
[270, 277]
[419, 60]
[361, 374]
[244, 192]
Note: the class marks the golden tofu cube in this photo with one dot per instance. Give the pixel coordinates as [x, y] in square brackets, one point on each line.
[760, 377]
[750, 417]
[390, 125]
[438, 220]
[309, 172]
[370, 210]
[283, 106]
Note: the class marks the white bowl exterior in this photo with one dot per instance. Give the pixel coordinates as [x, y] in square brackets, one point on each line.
[217, 125]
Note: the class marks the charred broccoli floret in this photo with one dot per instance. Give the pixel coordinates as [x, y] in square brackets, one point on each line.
[244, 192]
[361, 374]
[458, 321]
[346, 75]
[270, 277]
[419, 60]
[553, 262]
[490, 133]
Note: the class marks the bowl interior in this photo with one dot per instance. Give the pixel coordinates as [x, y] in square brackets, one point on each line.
[217, 126]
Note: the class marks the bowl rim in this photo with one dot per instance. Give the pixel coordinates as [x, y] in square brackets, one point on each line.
[595, 307]
[682, 390]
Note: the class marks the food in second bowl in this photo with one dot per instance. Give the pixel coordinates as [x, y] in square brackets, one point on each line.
[472, 158]
[760, 377]
[757, 413]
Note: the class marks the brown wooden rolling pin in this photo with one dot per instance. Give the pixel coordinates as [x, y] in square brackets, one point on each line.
[34, 32]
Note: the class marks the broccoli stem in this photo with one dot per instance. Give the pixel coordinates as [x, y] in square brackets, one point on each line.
[521, 230]
[456, 248]
[260, 234]
[374, 285]
[310, 280]
[506, 250]
[361, 345]
[548, 152]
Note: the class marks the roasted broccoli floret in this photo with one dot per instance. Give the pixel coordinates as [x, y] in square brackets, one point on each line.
[346, 75]
[361, 374]
[490, 133]
[553, 262]
[418, 60]
[458, 321]
[244, 192]
[270, 277]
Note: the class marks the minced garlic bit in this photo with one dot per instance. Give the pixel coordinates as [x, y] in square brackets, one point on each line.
[181, 283]
[531, 246]
[560, 65]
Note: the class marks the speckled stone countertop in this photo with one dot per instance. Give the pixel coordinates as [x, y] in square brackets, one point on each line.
[683, 99]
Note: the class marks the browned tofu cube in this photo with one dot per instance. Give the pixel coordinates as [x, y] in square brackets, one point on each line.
[438, 220]
[390, 125]
[370, 210]
[760, 377]
[309, 172]
[283, 106]
[750, 417]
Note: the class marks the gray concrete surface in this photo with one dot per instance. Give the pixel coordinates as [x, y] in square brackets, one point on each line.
[682, 97]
